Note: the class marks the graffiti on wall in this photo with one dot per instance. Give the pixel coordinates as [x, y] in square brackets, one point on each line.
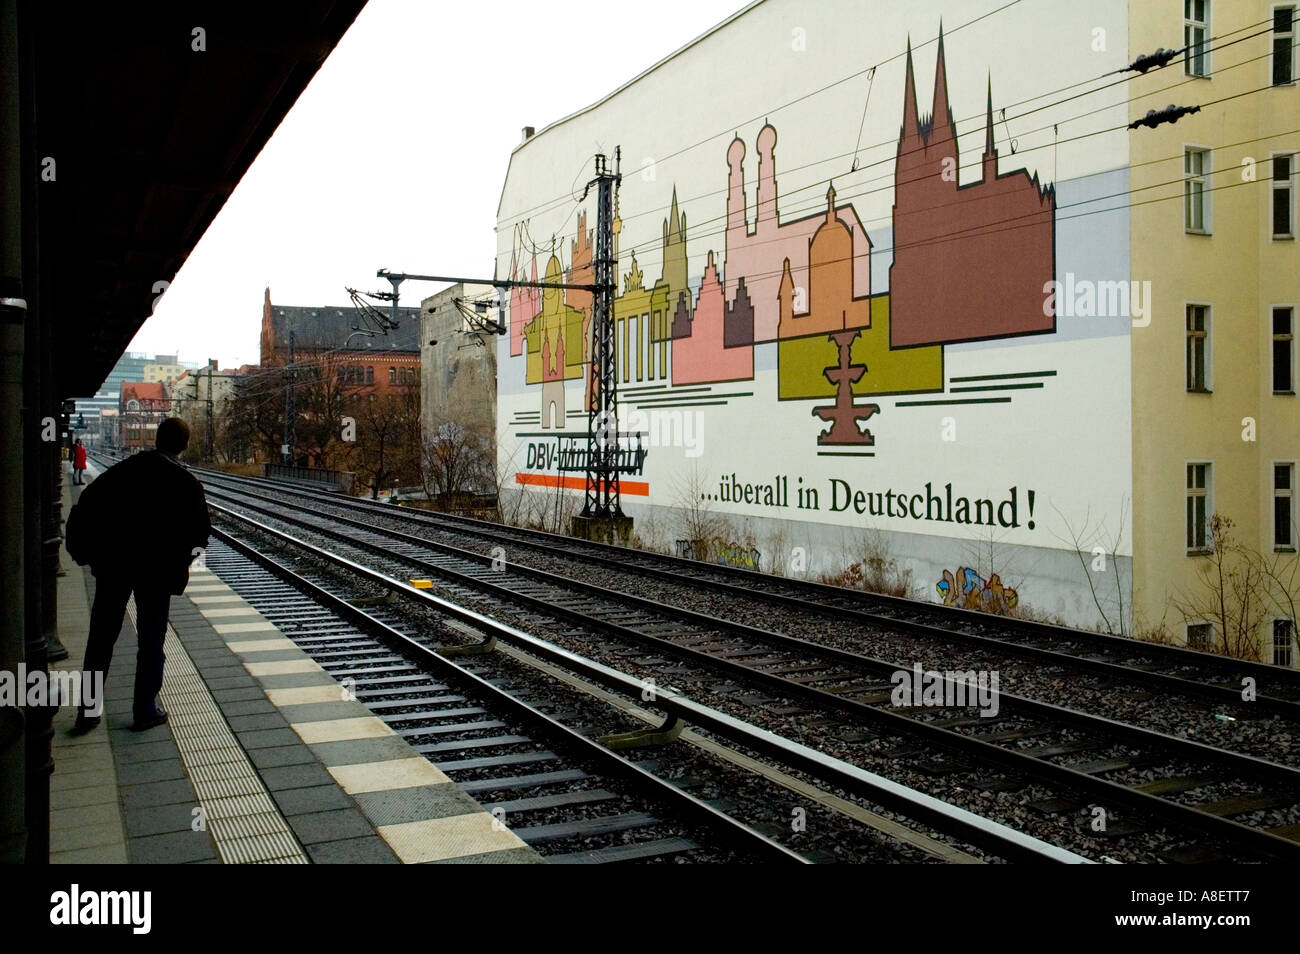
[969, 590]
[720, 551]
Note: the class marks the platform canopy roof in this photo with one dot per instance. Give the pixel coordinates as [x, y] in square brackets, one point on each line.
[149, 137]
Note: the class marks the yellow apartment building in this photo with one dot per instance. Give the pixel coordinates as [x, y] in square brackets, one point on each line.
[1216, 417]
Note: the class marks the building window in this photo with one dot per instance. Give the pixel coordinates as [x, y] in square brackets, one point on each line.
[1284, 351]
[1196, 37]
[1284, 173]
[392, 375]
[1283, 636]
[1196, 200]
[1200, 636]
[1283, 46]
[1284, 506]
[1198, 348]
[1198, 507]
[370, 375]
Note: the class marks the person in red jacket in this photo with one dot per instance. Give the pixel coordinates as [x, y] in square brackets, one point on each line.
[138, 525]
[78, 462]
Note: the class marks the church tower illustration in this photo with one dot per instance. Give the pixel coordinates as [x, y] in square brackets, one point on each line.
[970, 261]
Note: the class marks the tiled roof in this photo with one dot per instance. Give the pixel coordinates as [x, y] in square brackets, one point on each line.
[143, 391]
[328, 327]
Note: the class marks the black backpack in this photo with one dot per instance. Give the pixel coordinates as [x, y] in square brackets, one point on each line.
[84, 531]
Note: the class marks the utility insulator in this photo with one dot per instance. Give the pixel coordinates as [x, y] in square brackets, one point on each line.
[1170, 114]
[1159, 58]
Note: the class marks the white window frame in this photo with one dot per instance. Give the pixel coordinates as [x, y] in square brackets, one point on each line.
[1189, 24]
[1288, 185]
[1273, 337]
[1290, 494]
[1208, 493]
[1274, 36]
[1290, 642]
[1209, 346]
[1204, 177]
[1210, 641]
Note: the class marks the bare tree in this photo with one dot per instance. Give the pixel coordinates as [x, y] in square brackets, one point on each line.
[698, 522]
[456, 461]
[320, 396]
[508, 492]
[1280, 576]
[1093, 546]
[253, 418]
[384, 452]
[1231, 596]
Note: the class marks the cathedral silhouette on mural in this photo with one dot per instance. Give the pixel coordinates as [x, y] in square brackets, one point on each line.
[968, 263]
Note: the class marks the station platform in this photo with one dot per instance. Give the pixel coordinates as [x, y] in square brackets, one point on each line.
[264, 758]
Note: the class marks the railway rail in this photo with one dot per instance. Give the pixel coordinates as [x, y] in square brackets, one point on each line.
[1215, 678]
[1170, 792]
[390, 676]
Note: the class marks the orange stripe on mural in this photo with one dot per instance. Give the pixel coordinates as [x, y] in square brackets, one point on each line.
[637, 488]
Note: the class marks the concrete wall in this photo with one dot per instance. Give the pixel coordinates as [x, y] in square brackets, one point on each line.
[459, 373]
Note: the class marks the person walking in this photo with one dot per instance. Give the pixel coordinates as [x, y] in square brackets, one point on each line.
[78, 462]
[138, 526]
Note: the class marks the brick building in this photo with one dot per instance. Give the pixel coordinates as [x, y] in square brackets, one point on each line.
[328, 335]
[141, 407]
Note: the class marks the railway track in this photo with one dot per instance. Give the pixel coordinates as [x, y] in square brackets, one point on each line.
[381, 671]
[1112, 660]
[1143, 782]
[563, 794]
[1088, 763]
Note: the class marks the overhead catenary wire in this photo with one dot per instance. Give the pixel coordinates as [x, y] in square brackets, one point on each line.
[1001, 225]
[548, 205]
[820, 183]
[844, 79]
[696, 234]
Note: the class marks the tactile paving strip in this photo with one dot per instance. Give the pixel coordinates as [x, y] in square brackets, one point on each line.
[243, 821]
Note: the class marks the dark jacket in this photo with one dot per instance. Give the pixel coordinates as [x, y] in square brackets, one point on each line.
[144, 519]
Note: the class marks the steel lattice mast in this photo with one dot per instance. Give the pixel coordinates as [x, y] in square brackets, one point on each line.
[602, 408]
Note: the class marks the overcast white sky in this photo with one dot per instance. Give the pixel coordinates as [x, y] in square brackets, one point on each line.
[395, 154]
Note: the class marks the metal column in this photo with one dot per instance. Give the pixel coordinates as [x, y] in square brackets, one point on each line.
[603, 501]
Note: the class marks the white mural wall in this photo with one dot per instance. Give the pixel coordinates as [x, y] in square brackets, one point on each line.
[863, 292]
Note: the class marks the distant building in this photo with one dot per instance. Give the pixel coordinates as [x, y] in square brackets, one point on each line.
[200, 396]
[130, 367]
[143, 405]
[164, 367]
[335, 337]
[458, 363]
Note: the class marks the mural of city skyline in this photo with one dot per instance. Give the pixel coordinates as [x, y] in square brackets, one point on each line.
[969, 262]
